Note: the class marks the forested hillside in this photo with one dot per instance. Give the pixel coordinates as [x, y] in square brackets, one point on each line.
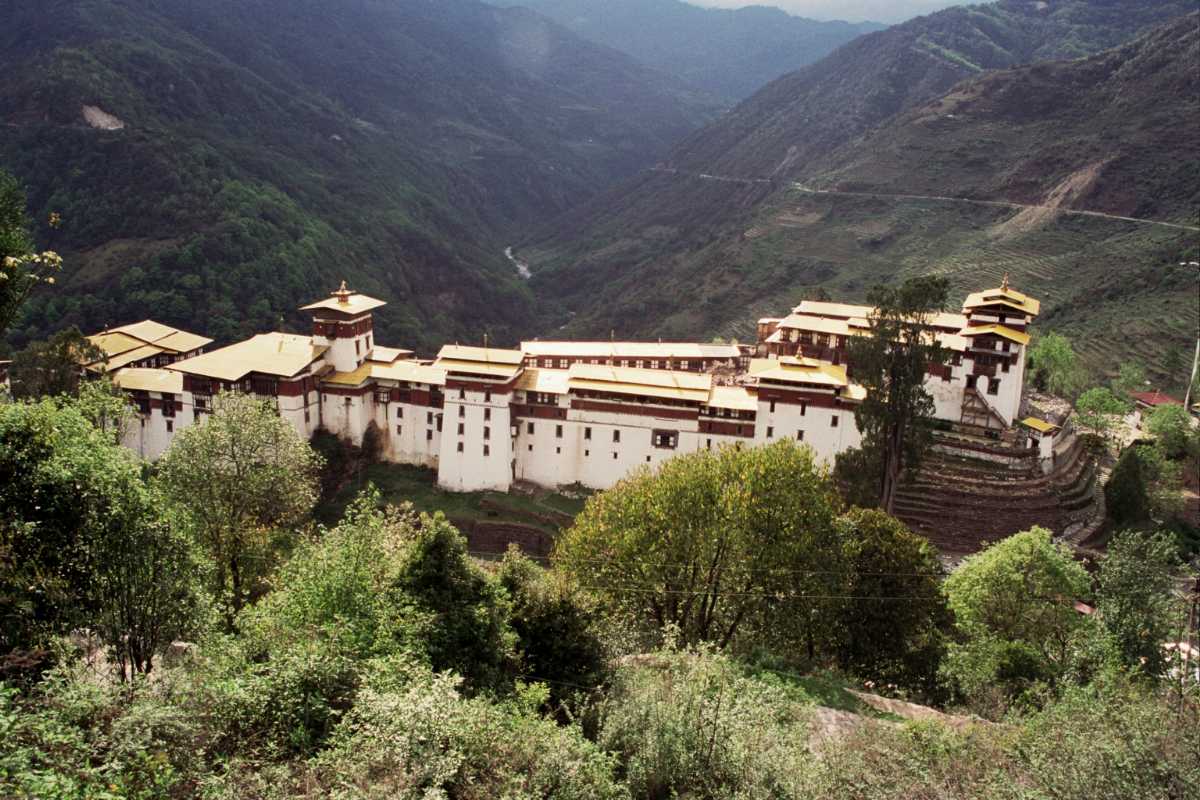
[215, 164]
[891, 114]
[730, 53]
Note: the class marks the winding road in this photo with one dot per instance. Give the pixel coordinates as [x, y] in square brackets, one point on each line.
[937, 198]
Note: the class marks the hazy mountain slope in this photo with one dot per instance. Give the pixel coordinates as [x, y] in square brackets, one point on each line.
[672, 254]
[271, 147]
[728, 52]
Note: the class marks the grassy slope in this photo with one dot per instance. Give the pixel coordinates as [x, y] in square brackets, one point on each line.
[750, 250]
[272, 148]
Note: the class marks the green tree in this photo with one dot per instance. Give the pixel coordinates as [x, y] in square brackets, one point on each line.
[1131, 378]
[555, 625]
[712, 543]
[1172, 426]
[1098, 410]
[82, 542]
[1014, 612]
[894, 623]
[1125, 494]
[54, 367]
[892, 364]
[468, 630]
[1135, 599]
[239, 477]
[20, 268]
[1055, 367]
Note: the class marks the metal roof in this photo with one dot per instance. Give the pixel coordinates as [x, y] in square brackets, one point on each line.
[281, 354]
[1039, 425]
[546, 381]
[736, 397]
[998, 330]
[149, 380]
[682, 350]
[1005, 297]
[411, 372]
[486, 355]
[353, 303]
[130, 357]
[663, 383]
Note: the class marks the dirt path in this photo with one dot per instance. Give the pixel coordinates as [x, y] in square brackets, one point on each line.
[938, 198]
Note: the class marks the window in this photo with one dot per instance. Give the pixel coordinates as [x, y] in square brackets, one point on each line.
[487, 397]
[462, 394]
[529, 428]
[640, 363]
[558, 451]
[460, 429]
[970, 381]
[487, 450]
[531, 448]
[616, 436]
[624, 362]
[833, 421]
[770, 432]
[399, 430]
[587, 453]
[1004, 367]
[993, 386]
[803, 409]
[170, 426]
[666, 440]
[462, 411]
[708, 444]
[587, 434]
[614, 456]
[562, 363]
[654, 363]
[356, 350]
[429, 436]
[487, 414]
[799, 436]
[429, 418]
[399, 412]
[306, 415]
[772, 406]
[1006, 346]
[460, 447]
[683, 365]
[558, 431]
[487, 432]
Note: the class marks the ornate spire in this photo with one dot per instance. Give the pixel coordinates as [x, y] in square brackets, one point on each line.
[343, 294]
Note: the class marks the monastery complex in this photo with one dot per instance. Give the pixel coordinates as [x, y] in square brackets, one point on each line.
[557, 413]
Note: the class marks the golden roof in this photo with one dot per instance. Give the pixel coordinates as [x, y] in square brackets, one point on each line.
[998, 330]
[480, 368]
[354, 377]
[948, 319]
[486, 355]
[147, 330]
[805, 322]
[645, 382]
[149, 380]
[546, 381]
[387, 355]
[735, 397]
[410, 371]
[281, 354]
[1039, 425]
[682, 350]
[129, 357]
[182, 342]
[799, 370]
[1003, 296]
[819, 308]
[113, 343]
[346, 302]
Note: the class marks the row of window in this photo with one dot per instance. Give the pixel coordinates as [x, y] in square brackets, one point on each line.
[637, 363]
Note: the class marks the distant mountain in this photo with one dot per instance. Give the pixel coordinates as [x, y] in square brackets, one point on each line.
[672, 253]
[731, 53]
[216, 163]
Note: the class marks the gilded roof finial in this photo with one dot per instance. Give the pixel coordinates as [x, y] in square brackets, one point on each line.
[343, 294]
[1003, 284]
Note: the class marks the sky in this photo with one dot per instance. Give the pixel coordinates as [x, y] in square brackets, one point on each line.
[888, 11]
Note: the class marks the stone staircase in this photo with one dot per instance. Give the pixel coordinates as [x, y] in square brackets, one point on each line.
[973, 490]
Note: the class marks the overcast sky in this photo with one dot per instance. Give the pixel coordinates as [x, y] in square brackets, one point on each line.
[853, 10]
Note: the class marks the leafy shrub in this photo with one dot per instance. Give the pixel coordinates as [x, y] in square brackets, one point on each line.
[427, 741]
[1125, 493]
[556, 628]
[692, 725]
